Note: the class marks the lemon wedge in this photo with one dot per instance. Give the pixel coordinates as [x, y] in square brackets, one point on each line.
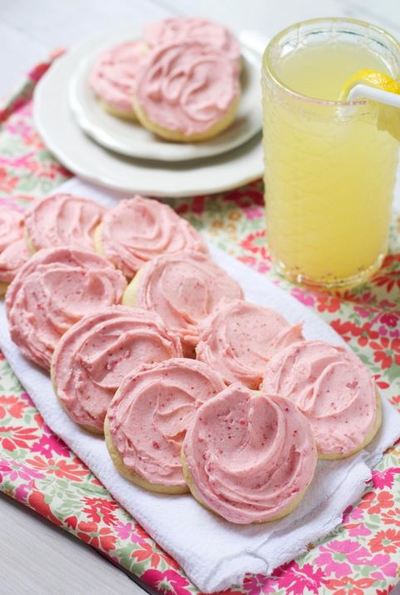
[388, 117]
[372, 78]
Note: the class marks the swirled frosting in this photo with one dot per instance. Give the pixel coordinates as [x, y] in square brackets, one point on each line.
[187, 87]
[63, 220]
[95, 354]
[184, 289]
[192, 29]
[113, 78]
[13, 251]
[138, 229]
[11, 226]
[250, 456]
[332, 388]
[151, 412]
[240, 338]
[11, 260]
[52, 291]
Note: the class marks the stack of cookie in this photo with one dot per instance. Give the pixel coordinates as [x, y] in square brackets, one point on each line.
[181, 81]
[152, 344]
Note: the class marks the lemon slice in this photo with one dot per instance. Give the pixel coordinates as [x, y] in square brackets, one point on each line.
[388, 117]
[372, 78]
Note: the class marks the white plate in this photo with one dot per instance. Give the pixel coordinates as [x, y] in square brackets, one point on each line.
[81, 155]
[129, 138]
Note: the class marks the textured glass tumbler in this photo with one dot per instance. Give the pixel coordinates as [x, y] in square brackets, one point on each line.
[330, 166]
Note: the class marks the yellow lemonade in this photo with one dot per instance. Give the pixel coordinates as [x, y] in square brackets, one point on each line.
[329, 169]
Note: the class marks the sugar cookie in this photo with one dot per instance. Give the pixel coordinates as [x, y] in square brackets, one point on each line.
[148, 418]
[95, 354]
[52, 291]
[333, 389]
[249, 456]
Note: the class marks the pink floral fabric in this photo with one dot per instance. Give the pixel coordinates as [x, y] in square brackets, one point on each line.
[38, 469]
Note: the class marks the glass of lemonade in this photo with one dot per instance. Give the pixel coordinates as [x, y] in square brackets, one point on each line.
[329, 168]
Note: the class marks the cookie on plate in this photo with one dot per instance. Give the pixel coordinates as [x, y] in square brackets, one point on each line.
[63, 220]
[149, 416]
[183, 289]
[93, 357]
[249, 456]
[139, 229]
[113, 78]
[52, 291]
[333, 389]
[195, 29]
[187, 92]
[239, 338]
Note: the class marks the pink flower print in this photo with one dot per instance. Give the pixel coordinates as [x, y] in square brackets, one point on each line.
[302, 296]
[15, 470]
[391, 319]
[22, 491]
[384, 479]
[166, 582]
[257, 584]
[336, 555]
[357, 530]
[352, 513]
[50, 444]
[295, 579]
[385, 567]
[130, 530]
[253, 212]
[363, 312]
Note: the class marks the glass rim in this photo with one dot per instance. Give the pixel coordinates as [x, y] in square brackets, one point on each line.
[266, 62]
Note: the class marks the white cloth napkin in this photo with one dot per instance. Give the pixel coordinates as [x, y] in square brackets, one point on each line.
[214, 553]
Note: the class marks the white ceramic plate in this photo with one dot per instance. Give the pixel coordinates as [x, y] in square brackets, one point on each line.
[131, 139]
[87, 159]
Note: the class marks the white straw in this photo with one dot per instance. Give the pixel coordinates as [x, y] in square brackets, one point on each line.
[361, 91]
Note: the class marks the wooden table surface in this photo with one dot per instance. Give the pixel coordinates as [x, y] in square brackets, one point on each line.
[36, 557]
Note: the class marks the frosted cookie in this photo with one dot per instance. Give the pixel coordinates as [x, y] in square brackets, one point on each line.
[95, 354]
[240, 338]
[138, 229]
[63, 220]
[13, 253]
[187, 92]
[52, 291]
[195, 30]
[148, 418]
[183, 289]
[11, 260]
[113, 78]
[249, 456]
[333, 389]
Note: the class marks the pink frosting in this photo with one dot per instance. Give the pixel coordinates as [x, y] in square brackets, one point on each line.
[151, 412]
[11, 226]
[52, 291]
[184, 289]
[193, 29]
[95, 354]
[250, 454]
[11, 260]
[63, 220]
[332, 388]
[240, 338]
[187, 87]
[138, 229]
[114, 76]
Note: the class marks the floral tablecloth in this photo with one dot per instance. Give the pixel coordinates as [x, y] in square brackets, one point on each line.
[39, 470]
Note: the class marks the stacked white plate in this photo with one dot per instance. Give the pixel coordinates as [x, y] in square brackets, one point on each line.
[123, 155]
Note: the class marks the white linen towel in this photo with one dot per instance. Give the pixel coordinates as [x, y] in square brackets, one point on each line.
[214, 553]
